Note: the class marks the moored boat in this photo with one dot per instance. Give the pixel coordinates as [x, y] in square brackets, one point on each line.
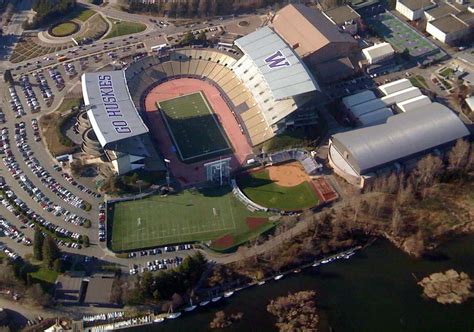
[217, 298]
[190, 308]
[278, 277]
[228, 294]
[204, 303]
[174, 315]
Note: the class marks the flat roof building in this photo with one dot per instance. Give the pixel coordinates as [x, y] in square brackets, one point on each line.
[451, 28]
[312, 35]
[414, 9]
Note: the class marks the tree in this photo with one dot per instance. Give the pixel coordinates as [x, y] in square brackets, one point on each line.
[85, 240]
[57, 266]
[213, 8]
[427, 169]
[202, 8]
[7, 77]
[295, 312]
[202, 38]
[38, 244]
[459, 155]
[188, 39]
[36, 294]
[51, 251]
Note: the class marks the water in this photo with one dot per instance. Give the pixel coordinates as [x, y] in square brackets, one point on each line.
[375, 290]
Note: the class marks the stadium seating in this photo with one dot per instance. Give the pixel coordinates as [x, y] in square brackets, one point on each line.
[212, 64]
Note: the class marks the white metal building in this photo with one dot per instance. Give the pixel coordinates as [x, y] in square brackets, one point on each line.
[402, 95]
[367, 107]
[413, 9]
[378, 53]
[414, 103]
[358, 155]
[395, 86]
[375, 117]
[358, 98]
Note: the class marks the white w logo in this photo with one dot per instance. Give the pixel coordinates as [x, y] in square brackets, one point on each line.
[277, 60]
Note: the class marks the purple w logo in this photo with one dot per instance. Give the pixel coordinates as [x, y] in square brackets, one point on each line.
[276, 60]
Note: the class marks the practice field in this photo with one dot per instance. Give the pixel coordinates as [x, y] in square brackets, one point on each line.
[261, 188]
[193, 127]
[402, 37]
[184, 217]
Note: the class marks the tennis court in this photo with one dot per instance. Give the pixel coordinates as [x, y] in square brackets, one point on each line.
[401, 36]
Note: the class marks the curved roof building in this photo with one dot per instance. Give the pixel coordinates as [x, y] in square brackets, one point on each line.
[402, 137]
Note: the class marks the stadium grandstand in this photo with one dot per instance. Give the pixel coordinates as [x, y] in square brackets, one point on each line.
[278, 81]
[359, 155]
[116, 124]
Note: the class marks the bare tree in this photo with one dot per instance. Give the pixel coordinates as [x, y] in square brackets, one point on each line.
[459, 155]
[202, 8]
[427, 169]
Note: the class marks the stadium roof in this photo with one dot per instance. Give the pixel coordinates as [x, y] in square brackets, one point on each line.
[403, 135]
[306, 29]
[281, 68]
[111, 111]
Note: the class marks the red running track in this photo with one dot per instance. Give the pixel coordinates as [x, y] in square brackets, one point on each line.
[191, 174]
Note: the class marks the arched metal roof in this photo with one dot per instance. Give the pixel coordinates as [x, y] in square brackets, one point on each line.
[401, 136]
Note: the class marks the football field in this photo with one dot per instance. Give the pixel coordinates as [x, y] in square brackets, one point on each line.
[188, 216]
[193, 127]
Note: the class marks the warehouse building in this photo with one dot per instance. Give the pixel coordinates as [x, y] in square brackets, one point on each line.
[414, 103]
[344, 17]
[359, 155]
[358, 98]
[414, 9]
[402, 95]
[395, 86]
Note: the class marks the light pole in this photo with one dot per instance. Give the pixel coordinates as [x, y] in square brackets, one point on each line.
[167, 162]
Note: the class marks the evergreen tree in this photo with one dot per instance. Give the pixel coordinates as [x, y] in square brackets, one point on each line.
[7, 76]
[51, 251]
[38, 244]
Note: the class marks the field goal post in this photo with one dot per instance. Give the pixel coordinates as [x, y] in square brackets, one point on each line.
[218, 171]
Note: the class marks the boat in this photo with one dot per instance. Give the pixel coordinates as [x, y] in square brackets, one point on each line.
[228, 294]
[278, 277]
[324, 261]
[260, 283]
[190, 308]
[349, 255]
[297, 271]
[204, 303]
[174, 315]
[159, 320]
[316, 264]
[217, 298]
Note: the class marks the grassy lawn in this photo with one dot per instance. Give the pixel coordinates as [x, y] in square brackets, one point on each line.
[50, 124]
[122, 28]
[64, 29]
[44, 274]
[418, 81]
[262, 190]
[80, 13]
[193, 127]
[447, 72]
[188, 216]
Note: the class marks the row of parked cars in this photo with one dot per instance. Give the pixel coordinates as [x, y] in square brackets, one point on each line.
[30, 94]
[57, 78]
[15, 103]
[102, 230]
[9, 252]
[157, 264]
[71, 180]
[13, 233]
[46, 92]
[30, 218]
[158, 251]
[45, 177]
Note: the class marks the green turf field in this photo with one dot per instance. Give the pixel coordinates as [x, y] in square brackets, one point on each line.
[185, 217]
[122, 28]
[262, 190]
[195, 132]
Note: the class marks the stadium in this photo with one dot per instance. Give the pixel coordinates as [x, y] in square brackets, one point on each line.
[198, 113]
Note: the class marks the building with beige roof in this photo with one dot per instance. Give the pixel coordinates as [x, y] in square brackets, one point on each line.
[312, 35]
